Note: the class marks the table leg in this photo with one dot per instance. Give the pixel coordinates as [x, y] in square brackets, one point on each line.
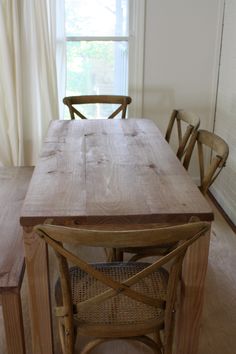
[36, 257]
[13, 321]
[192, 296]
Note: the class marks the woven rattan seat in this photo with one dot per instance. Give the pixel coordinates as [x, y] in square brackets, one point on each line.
[118, 300]
[119, 310]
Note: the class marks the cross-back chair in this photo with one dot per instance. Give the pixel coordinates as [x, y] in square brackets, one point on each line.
[187, 123]
[220, 151]
[73, 101]
[118, 300]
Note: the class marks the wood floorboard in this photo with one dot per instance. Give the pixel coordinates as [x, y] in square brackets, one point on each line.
[218, 332]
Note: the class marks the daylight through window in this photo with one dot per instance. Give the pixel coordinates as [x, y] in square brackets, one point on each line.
[97, 47]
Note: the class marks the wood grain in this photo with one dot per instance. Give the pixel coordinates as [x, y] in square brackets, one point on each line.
[73, 101]
[39, 299]
[219, 150]
[192, 296]
[218, 323]
[13, 321]
[114, 327]
[13, 186]
[191, 121]
[116, 171]
[110, 172]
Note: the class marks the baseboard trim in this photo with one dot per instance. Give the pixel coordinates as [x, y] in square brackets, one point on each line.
[223, 213]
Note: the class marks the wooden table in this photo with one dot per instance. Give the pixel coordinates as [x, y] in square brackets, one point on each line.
[116, 172]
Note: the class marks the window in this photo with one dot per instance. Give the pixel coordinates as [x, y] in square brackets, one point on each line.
[100, 35]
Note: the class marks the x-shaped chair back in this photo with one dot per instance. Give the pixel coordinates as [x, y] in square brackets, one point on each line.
[121, 101]
[219, 150]
[182, 236]
[187, 123]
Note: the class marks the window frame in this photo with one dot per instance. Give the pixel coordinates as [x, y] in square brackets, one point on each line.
[137, 13]
[135, 40]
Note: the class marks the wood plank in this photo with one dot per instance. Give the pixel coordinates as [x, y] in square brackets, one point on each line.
[113, 171]
[192, 296]
[14, 182]
[13, 321]
[39, 299]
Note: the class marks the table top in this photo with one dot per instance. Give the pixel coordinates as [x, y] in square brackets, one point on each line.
[110, 171]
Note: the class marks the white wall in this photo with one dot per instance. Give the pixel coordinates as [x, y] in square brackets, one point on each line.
[181, 57]
[224, 188]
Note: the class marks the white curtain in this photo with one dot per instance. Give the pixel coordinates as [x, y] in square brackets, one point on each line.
[28, 75]
[61, 54]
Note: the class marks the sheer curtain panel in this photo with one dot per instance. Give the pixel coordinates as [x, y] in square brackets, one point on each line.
[11, 135]
[28, 78]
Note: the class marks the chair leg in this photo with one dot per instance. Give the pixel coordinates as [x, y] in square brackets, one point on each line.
[13, 321]
[114, 255]
[61, 335]
[157, 338]
[119, 255]
[110, 254]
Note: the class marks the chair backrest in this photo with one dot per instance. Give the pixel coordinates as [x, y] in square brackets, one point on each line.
[182, 236]
[122, 101]
[220, 151]
[182, 118]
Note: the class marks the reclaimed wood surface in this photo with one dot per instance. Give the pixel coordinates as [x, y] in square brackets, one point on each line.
[116, 171]
[13, 186]
[110, 172]
[14, 182]
[13, 321]
[192, 297]
[39, 297]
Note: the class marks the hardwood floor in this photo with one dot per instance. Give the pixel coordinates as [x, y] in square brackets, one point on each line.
[218, 334]
[219, 317]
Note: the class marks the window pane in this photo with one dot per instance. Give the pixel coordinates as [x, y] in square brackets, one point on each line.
[96, 17]
[95, 68]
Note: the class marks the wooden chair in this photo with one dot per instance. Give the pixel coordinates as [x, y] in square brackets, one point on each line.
[190, 122]
[220, 151]
[122, 101]
[182, 118]
[118, 300]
